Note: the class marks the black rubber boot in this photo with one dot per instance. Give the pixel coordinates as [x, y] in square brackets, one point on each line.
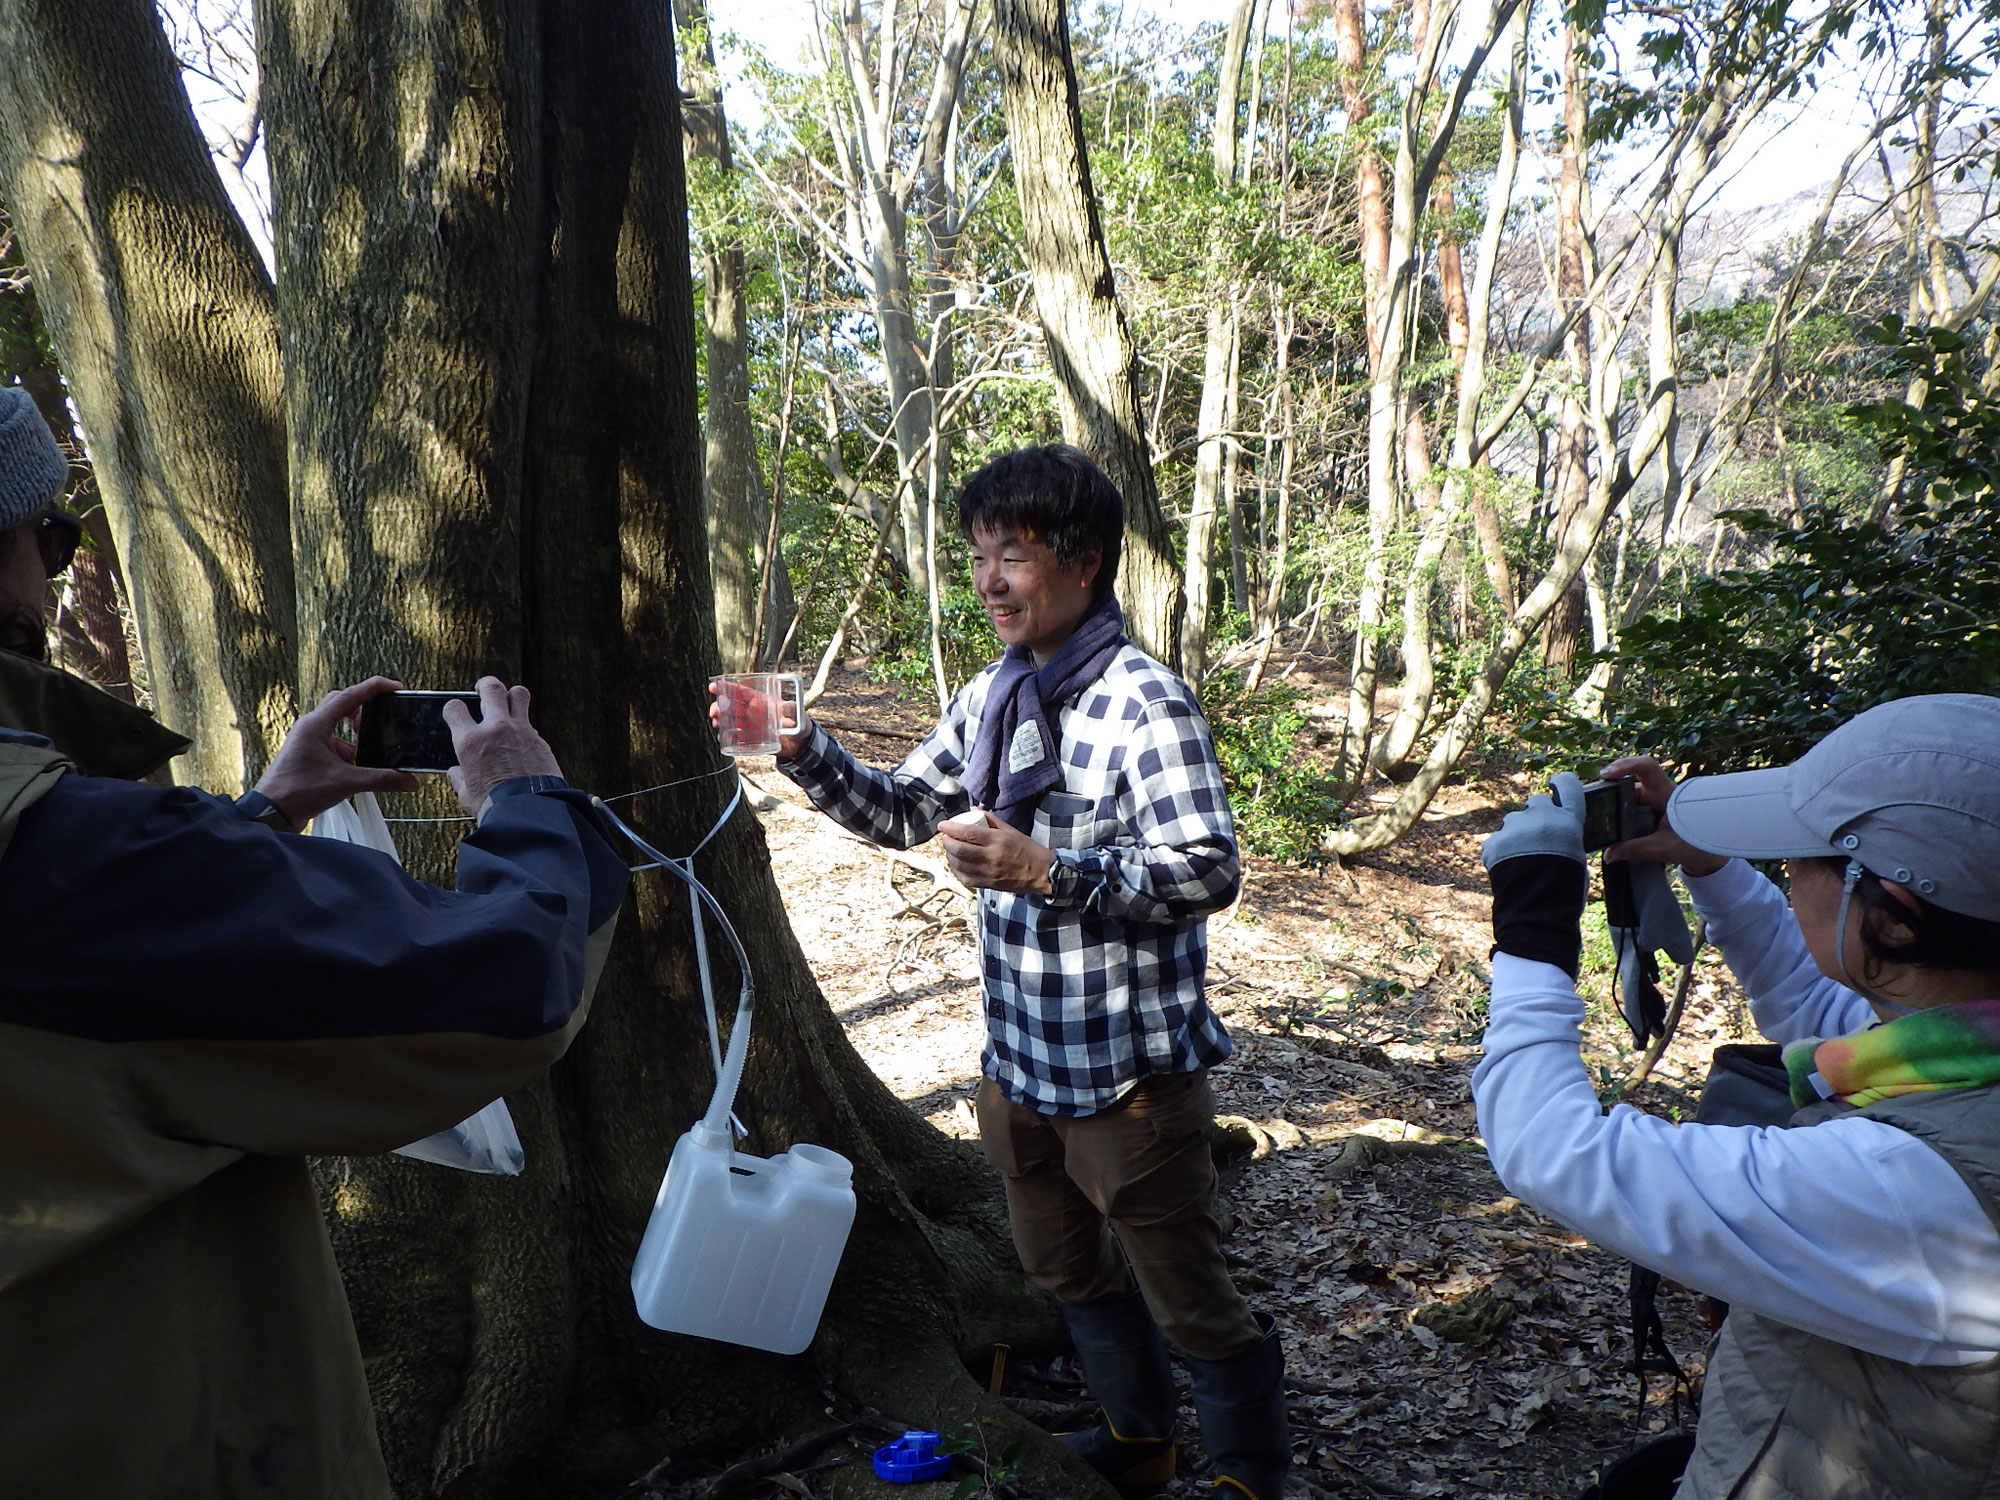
[1241, 1404]
[1124, 1361]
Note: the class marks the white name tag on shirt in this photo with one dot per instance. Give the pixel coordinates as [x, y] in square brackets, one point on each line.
[1026, 751]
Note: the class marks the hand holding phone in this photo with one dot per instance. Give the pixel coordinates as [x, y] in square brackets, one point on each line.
[315, 767]
[497, 746]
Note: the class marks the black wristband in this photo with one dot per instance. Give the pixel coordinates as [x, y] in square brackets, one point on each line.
[1538, 909]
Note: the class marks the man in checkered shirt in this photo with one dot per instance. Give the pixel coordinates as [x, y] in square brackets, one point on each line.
[1076, 790]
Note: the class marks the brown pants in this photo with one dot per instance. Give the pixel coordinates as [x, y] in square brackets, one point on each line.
[1129, 1193]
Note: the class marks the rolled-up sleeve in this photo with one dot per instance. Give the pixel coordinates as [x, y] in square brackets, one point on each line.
[1181, 861]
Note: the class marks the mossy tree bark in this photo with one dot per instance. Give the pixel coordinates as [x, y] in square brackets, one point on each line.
[739, 513]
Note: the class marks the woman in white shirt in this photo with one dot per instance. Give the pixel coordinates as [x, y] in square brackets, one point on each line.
[1860, 1257]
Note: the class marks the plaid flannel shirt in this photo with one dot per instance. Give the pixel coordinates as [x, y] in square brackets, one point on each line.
[1098, 984]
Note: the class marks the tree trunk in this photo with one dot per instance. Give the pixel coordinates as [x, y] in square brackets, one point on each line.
[90, 616]
[1572, 449]
[1089, 344]
[880, 192]
[566, 541]
[733, 485]
[1468, 315]
[1219, 363]
[489, 338]
[164, 323]
[1384, 496]
[1285, 417]
[1350, 21]
[1217, 367]
[1451, 274]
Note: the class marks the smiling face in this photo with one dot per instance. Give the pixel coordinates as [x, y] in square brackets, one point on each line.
[1031, 599]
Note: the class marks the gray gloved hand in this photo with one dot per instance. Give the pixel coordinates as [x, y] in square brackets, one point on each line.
[1545, 826]
[1535, 865]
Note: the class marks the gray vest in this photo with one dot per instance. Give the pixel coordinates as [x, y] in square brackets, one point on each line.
[1787, 1415]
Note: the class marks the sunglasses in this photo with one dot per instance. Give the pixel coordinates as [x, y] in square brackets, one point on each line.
[56, 533]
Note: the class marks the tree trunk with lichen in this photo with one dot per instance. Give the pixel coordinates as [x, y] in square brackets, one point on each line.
[1089, 345]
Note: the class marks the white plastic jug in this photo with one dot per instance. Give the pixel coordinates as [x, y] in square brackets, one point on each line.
[743, 1248]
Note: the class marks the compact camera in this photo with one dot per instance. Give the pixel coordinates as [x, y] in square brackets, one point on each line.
[1613, 813]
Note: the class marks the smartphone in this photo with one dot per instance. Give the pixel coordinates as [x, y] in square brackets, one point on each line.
[1613, 813]
[407, 732]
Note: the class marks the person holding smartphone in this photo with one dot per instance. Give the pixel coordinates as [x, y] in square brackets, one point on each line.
[1857, 1248]
[192, 1001]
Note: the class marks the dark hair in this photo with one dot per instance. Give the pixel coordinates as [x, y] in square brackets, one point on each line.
[1055, 494]
[1940, 939]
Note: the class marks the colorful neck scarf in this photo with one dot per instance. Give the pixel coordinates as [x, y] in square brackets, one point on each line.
[1948, 1047]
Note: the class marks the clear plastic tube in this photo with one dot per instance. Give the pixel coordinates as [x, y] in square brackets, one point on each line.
[729, 1075]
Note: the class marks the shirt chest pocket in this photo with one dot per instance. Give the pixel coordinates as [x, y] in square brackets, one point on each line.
[1064, 820]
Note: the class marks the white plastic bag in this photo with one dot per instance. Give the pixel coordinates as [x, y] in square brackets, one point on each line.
[487, 1141]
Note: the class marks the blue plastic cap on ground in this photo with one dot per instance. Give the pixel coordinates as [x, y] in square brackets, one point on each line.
[912, 1459]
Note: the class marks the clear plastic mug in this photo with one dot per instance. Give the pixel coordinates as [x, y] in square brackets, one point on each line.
[756, 708]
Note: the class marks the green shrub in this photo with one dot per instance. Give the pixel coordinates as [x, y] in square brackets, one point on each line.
[904, 657]
[1282, 798]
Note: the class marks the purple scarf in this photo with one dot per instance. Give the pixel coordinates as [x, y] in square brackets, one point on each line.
[1017, 756]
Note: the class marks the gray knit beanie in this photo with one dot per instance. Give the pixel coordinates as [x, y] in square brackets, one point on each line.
[32, 468]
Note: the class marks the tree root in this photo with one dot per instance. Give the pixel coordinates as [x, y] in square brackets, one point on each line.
[934, 922]
[734, 1478]
[880, 732]
[923, 864]
[1383, 1141]
[1234, 1133]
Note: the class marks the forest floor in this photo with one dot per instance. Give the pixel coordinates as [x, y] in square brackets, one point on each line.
[1442, 1339]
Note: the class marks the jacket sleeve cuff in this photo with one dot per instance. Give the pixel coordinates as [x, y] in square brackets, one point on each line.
[813, 758]
[526, 786]
[1716, 893]
[254, 807]
[1538, 909]
[1074, 879]
[519, 786]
